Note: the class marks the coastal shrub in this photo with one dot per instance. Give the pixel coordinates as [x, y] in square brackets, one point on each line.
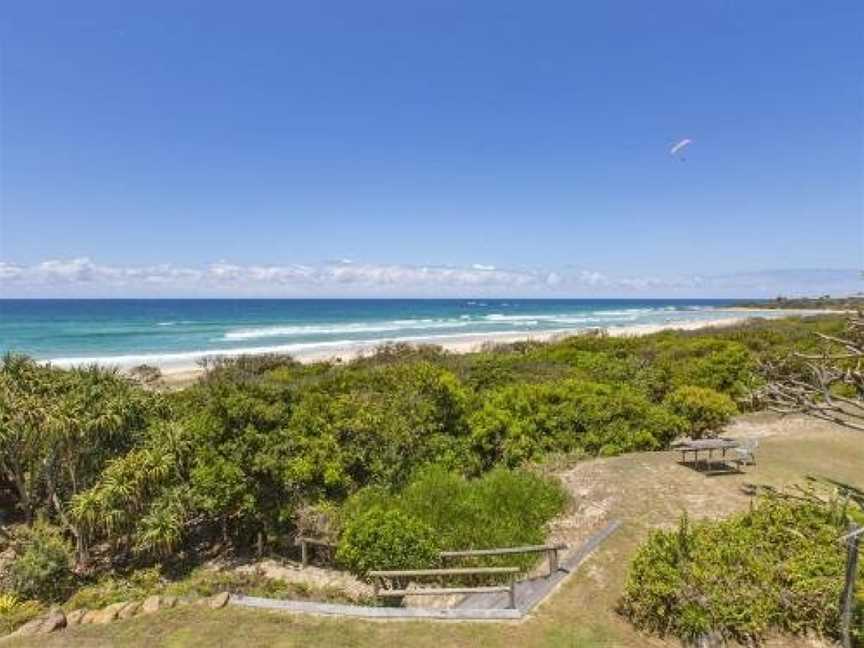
[705, 411]
[386, 539]
[524, 422]
[778, 567]
[500, 509]
[373, 427]
[15, 612]
[721, 365]
[41, 567]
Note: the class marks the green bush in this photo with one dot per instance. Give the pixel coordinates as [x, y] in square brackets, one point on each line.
[14, 612]
[386, 539]
[41, 567]
[776, 568]
[704, 410]
[523, 422]
[500, 509]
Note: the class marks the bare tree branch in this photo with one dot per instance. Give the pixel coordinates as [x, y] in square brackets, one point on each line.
[818, 384]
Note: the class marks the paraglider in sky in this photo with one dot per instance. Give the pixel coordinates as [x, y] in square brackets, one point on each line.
[680, 147]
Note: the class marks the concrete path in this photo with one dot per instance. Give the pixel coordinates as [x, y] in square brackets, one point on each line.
[531, 591]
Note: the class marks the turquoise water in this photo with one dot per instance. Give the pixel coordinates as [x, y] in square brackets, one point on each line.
[180, 332]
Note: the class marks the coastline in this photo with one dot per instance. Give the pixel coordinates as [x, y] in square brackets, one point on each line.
[177, 376]
[180, 366]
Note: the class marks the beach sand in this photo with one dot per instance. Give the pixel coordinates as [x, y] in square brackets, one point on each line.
[173, 376]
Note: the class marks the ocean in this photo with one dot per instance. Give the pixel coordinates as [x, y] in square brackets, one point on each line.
[179, 332]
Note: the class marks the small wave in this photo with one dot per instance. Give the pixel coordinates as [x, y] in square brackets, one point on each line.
[341, 329]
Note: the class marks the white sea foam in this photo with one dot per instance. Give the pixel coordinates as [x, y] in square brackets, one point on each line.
[342, 329]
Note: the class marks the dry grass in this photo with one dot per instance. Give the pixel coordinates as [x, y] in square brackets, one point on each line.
[644, 490]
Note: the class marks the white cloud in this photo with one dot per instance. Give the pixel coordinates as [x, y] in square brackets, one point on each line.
[82, 277]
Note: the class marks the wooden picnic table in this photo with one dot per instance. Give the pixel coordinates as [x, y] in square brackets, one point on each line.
[706, 446]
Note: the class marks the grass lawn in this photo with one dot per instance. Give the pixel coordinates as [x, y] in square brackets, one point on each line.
[643, 490]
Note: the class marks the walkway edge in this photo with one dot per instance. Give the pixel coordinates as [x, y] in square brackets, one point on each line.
[369, 612]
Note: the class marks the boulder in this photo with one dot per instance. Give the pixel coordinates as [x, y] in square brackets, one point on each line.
[151, 604]
[29, 628]
[89, 617]
[75, 617]
[129, 610]
[219, 600]
[168, 602]
[55, 620]
[109, 613]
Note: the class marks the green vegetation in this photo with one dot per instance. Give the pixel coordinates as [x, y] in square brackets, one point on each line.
[387, 539]
[41, 564]
[132, 477]
[703, 409]
[825, 302]
[137, 585]
[440, 510]
[778, 567]
[15, 612]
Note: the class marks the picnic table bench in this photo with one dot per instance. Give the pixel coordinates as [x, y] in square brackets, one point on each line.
[707, 448]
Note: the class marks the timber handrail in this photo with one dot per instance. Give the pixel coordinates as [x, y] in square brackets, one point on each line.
[510, 588]
[305, 541]
[457, 571]
[551, 551]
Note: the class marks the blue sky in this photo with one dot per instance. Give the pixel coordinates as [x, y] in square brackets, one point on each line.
[147, 145]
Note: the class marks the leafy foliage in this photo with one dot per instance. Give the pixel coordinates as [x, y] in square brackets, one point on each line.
[15, 612]
[523, 422]
[502, 508]
[41, 566]
[386, 539]
[705, 411]
[776, 568]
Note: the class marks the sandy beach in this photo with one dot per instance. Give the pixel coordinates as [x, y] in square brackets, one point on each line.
[176, 376]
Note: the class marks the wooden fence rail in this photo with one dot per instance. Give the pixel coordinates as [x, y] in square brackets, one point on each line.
[510, 588]
[551, 551]
[305, 542]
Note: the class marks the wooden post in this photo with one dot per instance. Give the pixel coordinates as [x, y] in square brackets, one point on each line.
[304, 552]
[553, 561]
[512, 594]
[847, 599]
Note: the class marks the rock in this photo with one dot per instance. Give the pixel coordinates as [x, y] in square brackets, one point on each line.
[168, 602]
[219, 600]
[129, 610]
[151, 604]
[29, 628]
[90, 617]
[710, 640]
[75, 617]
[55, 620]
[109, 613]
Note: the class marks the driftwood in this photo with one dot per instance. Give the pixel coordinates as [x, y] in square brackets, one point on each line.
[815, 391]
